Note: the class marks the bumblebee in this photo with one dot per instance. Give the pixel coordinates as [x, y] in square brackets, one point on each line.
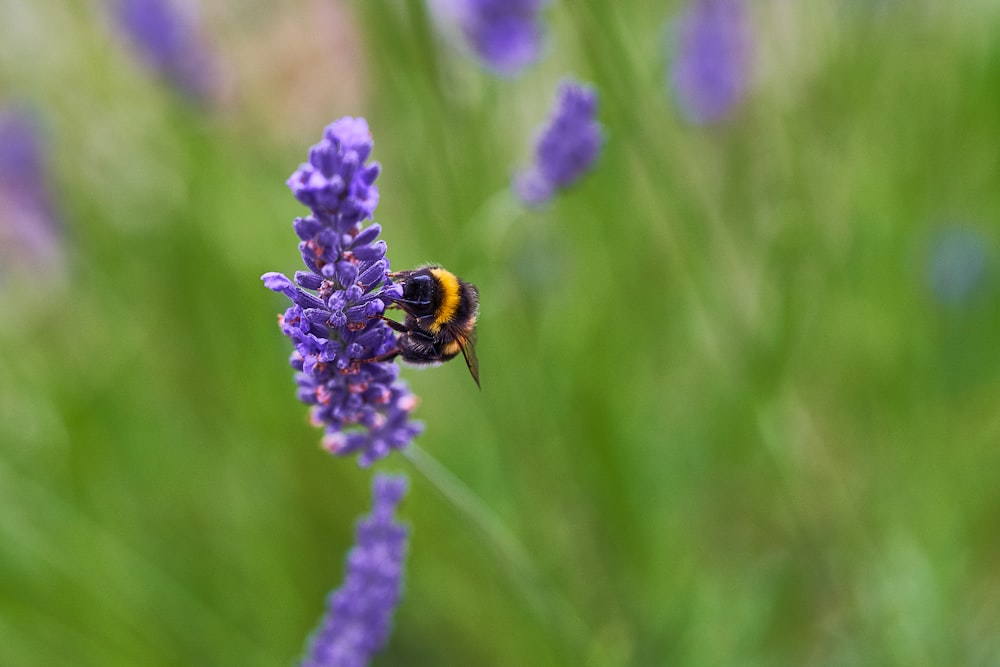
[441, 311]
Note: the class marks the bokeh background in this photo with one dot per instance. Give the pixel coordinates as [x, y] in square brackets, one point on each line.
[740, 384]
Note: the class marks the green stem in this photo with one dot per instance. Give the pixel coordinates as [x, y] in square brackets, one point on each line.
[493, 221]
[551, 608]
[114, 575]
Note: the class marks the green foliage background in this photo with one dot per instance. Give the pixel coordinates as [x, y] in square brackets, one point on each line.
[721, 410]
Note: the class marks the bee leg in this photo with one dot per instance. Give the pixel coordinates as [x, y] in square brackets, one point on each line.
[355, 365]
[393, 324]
[385, 356]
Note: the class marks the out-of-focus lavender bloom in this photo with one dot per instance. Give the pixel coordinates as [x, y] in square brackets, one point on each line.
[169, 43]
[30, 232]
[958, 264]
[505, 34]
[359, 614]
[333, 320]
[710, 72]
[566, 148]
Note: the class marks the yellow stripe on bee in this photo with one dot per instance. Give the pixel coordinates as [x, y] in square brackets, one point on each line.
[452, 348]
[449, 298]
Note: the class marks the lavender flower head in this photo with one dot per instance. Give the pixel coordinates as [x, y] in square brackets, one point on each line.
[169, 44]
[30, 230]
[505, 34]
[335, 303]
[710, 72]
[359, 614]
[566, 148]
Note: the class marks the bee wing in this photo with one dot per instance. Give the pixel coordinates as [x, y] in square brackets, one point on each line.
[467, 342]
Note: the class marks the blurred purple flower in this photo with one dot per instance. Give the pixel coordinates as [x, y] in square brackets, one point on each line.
[359, 614]
[710, 72]
[566, 147]
[169, 44]
[958, 264]
[336, 330]
[30, 231]
[505, 34]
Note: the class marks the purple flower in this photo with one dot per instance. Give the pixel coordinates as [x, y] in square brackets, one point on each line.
[30, 230]
[359, 614]
[566, 148]
[711, 65]
[168, 42]
[333, 320]
[506, 34]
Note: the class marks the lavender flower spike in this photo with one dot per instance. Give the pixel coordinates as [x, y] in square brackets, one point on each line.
[505, 34]
[567, 147]
[168, 43]
[31, 233]
[359, 614]
[710, 72]
[335, 303]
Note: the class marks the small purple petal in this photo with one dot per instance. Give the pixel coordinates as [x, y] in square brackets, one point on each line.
[308, 280]
[370, 173]
[317, 315]
[306, 228]
[278, 282]
[347, 272]
[367, 235]
[505, 34]
[710, 72]
[371, 252]
[31, 232]
[373, 275]
[532, 188]
[169, 44]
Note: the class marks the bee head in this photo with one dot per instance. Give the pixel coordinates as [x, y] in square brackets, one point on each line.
[419, 289]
